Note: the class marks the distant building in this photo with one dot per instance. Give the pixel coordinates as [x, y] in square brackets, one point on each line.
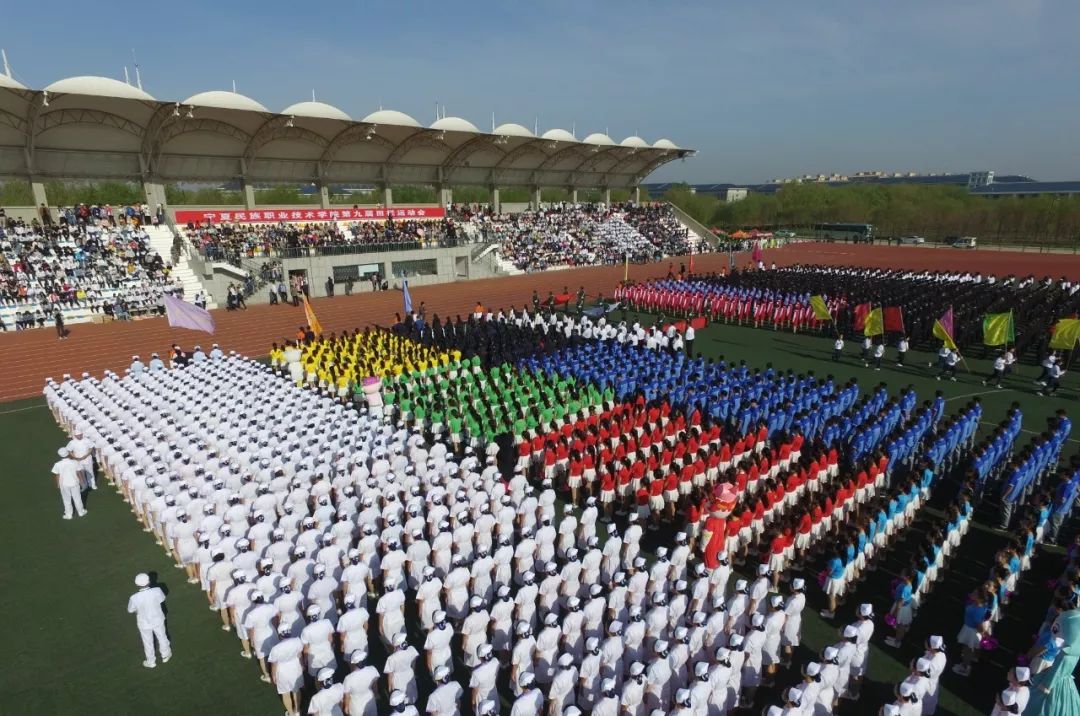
[735, 194]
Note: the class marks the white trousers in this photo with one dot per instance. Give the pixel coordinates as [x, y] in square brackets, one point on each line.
[148, 634]
[72, 496]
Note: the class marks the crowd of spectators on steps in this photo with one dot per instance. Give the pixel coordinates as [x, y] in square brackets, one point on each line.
[231, 242]
[586, 235]
[80, 268]
[556, 235]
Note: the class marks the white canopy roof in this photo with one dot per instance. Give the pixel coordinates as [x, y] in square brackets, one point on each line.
[101, 128]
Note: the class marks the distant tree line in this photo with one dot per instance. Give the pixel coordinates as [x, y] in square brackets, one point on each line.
[934, 212]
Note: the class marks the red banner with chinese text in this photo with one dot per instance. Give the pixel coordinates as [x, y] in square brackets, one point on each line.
[306, 215]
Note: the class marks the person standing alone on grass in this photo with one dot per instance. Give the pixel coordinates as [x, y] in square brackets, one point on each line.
[901, 351]
[66, 472]
[838, 349]
[145, 604]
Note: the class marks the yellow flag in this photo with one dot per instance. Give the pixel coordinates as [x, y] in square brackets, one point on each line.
[1066, 334]
[312, 319]
[999, 329]
[874, 325]
[821, 311]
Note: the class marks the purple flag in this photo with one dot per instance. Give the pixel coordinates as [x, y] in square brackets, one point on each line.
[186, 315]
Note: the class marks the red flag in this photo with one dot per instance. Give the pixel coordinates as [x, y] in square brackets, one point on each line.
[699, 322]
[861, 311]
[893, 319]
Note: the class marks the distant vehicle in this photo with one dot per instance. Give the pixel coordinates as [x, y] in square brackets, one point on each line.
[962, 242]
[784, 234]
[857, 233]
[911, 240]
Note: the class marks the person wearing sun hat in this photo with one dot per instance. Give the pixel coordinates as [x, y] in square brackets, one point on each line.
[145, 604]
[66, 473]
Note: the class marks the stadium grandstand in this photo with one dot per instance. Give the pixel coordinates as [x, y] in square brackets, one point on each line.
[664, 479]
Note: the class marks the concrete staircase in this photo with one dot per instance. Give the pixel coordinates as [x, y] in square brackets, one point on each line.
[161, 241]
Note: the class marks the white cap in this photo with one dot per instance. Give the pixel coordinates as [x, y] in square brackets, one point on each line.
[441, 672]
[813, 668]
[936, 642]
[142, 580]
[400, 639]
[326, 674]
[740, 585]
[314, 611]
[794, 694]
[1023, 673]
[526, 679]
[564, 660]
[830, 653]
[762, 570]
[906, 689]
[922, 664]
[1008, 697]
[701, 668]
[850, 632]
[798, 583]
[62, 452]
[637, 669]
[866, 610]
[397, 698]
[890, 710]
[757, 620]
[486, 708]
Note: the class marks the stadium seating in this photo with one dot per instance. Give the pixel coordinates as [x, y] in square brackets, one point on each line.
[84, 271]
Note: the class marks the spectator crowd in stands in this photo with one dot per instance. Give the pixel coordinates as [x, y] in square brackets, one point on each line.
[80, 266]
[587, 234]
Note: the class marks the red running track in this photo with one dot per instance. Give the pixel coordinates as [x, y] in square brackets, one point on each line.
[28, 357]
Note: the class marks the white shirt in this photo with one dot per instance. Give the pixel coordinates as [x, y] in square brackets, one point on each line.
[68, 472]
[327, 702]
[445, 700]
[145, 604]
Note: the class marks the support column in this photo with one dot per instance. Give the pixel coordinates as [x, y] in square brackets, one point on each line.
[324, 196]
[249, 194]
[38, 190]
[495, 203]
[637, 195]
[607, 196]
[573, 195]
[444, 196]
[388, 196]
[154, 192]
[535, 198]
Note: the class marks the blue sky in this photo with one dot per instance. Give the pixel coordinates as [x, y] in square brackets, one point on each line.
[759, 89]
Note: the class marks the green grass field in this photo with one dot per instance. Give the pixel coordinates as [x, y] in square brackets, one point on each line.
[73, 649]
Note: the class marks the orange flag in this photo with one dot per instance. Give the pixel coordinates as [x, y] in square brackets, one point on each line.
[312, 319]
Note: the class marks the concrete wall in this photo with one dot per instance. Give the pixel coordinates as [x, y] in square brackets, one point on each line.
[453, 264]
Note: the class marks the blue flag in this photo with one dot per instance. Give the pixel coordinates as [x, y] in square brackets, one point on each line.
[408, 298]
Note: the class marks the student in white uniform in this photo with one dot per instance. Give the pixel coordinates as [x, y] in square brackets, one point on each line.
[286, 668]
[327, 700]
[361, 686]
[145, 604]
[66, 472]
[445, 700]
[81, 451]
[483, 682]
